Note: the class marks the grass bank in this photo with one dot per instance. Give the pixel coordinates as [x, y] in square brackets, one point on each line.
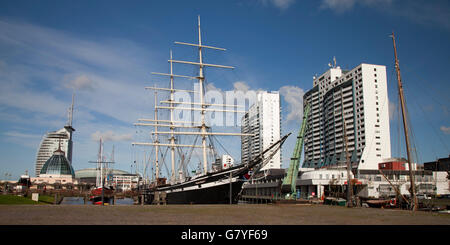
[20, 200]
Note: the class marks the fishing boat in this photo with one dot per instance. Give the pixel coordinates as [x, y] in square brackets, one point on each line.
[208, 185]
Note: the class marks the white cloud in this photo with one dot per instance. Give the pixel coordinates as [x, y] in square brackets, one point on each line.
[80, 82]
[423, 12]
[21, 135]
[15, 96]
[293, 95]
[445, 130]
[212, 87]
[24, 139]
[280, 4]
[40, 68]
[115, 68]
[111, 136]
[345, 5]
[241, 86]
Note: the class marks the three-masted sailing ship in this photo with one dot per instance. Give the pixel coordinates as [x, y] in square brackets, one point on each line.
[207, 186]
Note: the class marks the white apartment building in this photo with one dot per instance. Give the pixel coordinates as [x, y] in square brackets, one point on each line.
[50, 143]
[358, 97]
[262, 120]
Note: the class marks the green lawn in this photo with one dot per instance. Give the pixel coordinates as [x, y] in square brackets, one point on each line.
[15, 200]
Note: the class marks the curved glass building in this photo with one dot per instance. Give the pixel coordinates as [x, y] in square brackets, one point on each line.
[50, 143]
[57, 166]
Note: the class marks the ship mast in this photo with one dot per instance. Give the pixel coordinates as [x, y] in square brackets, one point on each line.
[156, 140]
[405, 127]
[201, 106]
[201, 80]
[172, 129]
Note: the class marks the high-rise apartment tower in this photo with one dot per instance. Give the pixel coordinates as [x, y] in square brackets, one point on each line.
[263, 121]
[359, 98]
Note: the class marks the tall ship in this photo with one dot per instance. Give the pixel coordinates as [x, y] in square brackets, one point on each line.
[210, 182]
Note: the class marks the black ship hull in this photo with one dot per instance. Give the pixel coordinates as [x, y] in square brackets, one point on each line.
[218, 194]
[210, 188]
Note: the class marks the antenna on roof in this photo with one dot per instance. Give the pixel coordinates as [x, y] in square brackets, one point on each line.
[70, 117]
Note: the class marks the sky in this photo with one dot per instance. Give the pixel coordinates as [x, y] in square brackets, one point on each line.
[105, 51]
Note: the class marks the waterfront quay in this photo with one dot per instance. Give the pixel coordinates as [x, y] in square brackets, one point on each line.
[256, 214]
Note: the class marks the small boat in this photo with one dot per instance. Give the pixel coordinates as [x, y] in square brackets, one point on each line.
[96, 196]
[101, 192]
[382, 203]
[335, 201]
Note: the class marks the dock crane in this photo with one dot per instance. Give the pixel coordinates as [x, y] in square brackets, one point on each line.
[288, 187]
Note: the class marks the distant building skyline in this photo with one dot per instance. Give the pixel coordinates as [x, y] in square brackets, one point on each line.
[107, 55]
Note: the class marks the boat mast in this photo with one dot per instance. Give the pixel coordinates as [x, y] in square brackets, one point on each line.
[156, 140]
[405, 128]
[202, 107]
[172, 137]
[201, 81]
[100, 167]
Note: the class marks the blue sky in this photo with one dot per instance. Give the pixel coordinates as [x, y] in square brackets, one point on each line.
[106, 50]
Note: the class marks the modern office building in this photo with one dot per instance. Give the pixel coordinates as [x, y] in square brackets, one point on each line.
[53, 140]
[263, 121]
[50, 143]
[359, 98]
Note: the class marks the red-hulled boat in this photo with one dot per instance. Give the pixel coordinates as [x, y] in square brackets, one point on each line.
[96, 196]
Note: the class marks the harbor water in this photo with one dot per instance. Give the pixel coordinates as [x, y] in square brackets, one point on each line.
[80, 201]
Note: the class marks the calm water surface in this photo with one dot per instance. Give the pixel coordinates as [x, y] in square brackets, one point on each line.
[80, 201]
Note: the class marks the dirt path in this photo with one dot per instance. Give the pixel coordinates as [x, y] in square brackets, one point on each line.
[212, 215]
